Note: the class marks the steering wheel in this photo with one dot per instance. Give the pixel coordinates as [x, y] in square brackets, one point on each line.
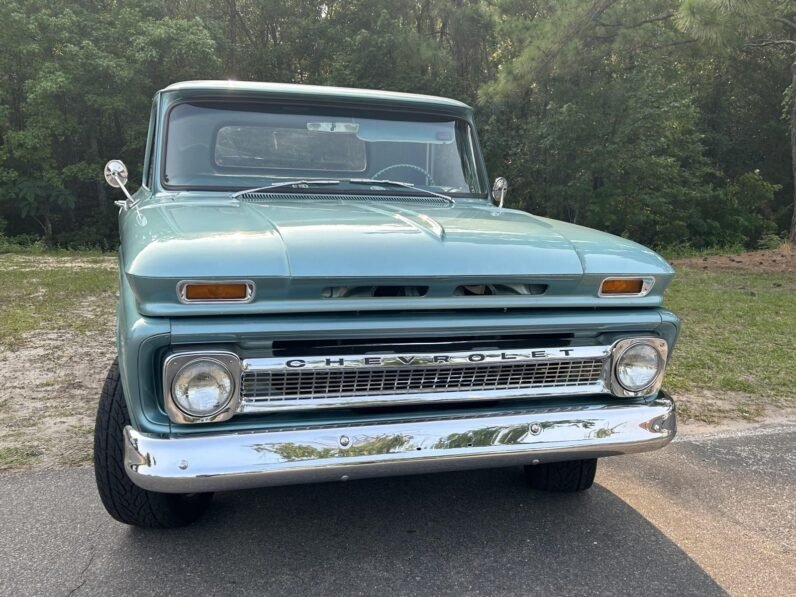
[429, 180]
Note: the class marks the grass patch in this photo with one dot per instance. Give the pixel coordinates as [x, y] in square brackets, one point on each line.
[738, 334]
[32, 246]
[54, 294]
[15, 457]
[81, 440]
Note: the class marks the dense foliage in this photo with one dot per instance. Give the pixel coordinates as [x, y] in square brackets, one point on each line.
[666, 121]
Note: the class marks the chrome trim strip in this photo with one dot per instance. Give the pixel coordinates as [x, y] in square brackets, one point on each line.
[379, 361]
[252, 406]
[186, 301]
[220, 462]
[646, 287]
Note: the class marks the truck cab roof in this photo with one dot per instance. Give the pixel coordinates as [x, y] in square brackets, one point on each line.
[318, 94]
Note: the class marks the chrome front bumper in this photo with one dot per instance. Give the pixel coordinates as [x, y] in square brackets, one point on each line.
[189, 464]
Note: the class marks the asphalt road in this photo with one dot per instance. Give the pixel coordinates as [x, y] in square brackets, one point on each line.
[701, 517]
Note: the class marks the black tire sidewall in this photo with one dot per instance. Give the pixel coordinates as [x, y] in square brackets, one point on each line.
[123, 499]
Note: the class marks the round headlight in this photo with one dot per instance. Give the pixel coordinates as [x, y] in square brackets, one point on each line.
[202, 387]
[638, 367]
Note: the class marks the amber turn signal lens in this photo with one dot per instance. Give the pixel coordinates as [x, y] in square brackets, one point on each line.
[622, 286]
[236, 291]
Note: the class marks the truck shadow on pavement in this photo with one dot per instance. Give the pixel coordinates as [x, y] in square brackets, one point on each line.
[473, 532]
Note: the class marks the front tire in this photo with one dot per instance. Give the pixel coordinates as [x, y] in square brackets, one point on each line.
[563, 477]
[123, 499]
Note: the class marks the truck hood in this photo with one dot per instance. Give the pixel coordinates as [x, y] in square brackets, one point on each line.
[288, 245]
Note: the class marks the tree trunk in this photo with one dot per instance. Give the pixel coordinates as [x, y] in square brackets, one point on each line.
[102, 197]
[47, 227]
[792, 236]
[233, 28]
[48, 230]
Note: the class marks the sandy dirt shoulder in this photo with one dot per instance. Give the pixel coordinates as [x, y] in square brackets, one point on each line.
[780, 260]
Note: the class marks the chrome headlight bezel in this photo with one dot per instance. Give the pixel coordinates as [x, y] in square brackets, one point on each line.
[619, 350]
[175, 362]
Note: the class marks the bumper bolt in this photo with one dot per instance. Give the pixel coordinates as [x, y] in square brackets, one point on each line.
[183, 465]
[535, 428]
[345, 441]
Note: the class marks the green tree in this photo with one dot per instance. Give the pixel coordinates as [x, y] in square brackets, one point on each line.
[603, 112]
[79, 77]
[594, 123]
[759, 24]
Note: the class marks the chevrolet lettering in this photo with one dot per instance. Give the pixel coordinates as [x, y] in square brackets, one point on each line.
[320, 284]
[421, 360]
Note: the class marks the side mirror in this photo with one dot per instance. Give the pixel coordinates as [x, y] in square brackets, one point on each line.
[116, 176]
[499, 190]
[116, 173]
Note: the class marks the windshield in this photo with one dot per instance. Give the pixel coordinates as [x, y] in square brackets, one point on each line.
[228, 146]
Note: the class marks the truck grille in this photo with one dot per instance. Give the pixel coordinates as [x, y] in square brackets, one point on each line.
[268, 385]
[311, 385]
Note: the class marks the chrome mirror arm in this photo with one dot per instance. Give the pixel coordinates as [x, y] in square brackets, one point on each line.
[129, 202]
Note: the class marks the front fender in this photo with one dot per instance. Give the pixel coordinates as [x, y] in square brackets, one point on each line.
[139, 341]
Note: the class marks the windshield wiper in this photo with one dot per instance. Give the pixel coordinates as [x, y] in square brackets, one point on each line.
[286, 183]
[397, 183]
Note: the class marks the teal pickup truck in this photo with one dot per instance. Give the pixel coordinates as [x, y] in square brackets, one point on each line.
[319, 284]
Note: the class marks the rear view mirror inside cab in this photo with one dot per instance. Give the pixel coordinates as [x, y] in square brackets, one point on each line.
[381, 131]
